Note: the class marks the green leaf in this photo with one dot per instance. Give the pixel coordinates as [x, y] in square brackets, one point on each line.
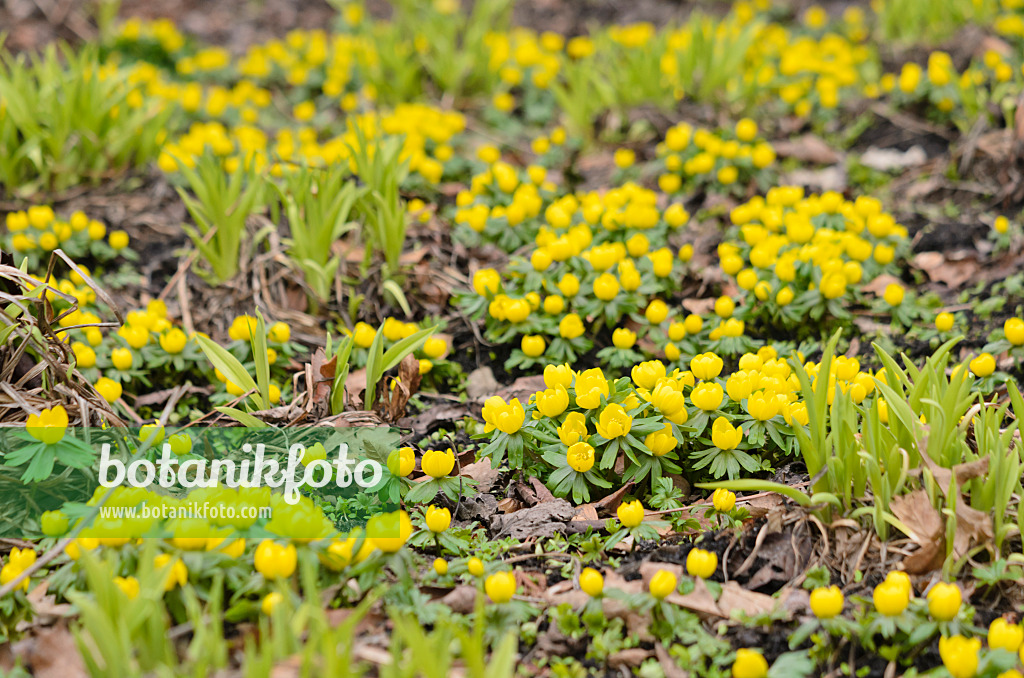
[230, 367]
[244, 418]
[754, 485]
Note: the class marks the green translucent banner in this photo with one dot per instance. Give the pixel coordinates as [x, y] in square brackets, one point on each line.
[194, 483]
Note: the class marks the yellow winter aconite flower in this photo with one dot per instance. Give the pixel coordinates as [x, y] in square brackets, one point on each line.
[630, 514]
[109, 389]
[402, 461]
[893, 294]
[707, 396]
[591, 386]
[613, 422]
[49, 425]
[724, 435]
[437, 463]
[573, 429]
[891, 598]
[668, 397]
[552, 402]
[389, 531]
[440, 566]
[275, 561]
[662, 584]
[129, 586]
[438, 519]
[1013, 328]
[500, 586]
[580, 457]
[827, 602]
[533, 345]
[983, 365]
[1004, 635]
[591, 582]
[176, 573]
[475, 566]
[749, 664]
[661, 442]
[270, 602]
[944, 601]
[706, 366]
[960, 655]
[944, 321]
[18, 560]
[723, 500]
[701, 563]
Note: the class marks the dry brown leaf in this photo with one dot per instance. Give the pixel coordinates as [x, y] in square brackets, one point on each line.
[482, 473]
[916, 512]
[807, 148]
[951, 272]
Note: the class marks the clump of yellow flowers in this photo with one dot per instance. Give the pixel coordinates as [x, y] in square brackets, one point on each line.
[799, 257]
[597, 260]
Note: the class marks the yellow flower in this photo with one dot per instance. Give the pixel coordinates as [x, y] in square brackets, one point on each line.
[129, 586]
[701, 563]
[389, 531]
[826, 602]
[109, 389]
[670, 401]
[893, 294]
[573, 429]
[724, 435]
[271, 601]
[438, 519]
[18, 560]
[749, 664]
[960, 655]
[647, 374]
[1002, 634]
[891, 598]
[176, 572]
[486, 282]
[172, 342]
[275, 561]
[279, 332]
[558, 375]
[402, 461]
[475, 566]
[570, 327]
[49, 425]
[944, 321]
[724, 307]
[662, 584]
[661, 442]
[1013, 328]
[533, 345]
[613, 422]
[944, 601]
[500, 586]
[438, 464]
[656, 312]
[623, 338]
[630, 514]
[441, 566]
[707, 396]
[435, 347]
[983, 365]
[580, 457]
[706, 366]
[552, 402]
[591, 582]
[723, 500]
[591, 385]
[762, 406]
[606, 287]
[121, 359]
